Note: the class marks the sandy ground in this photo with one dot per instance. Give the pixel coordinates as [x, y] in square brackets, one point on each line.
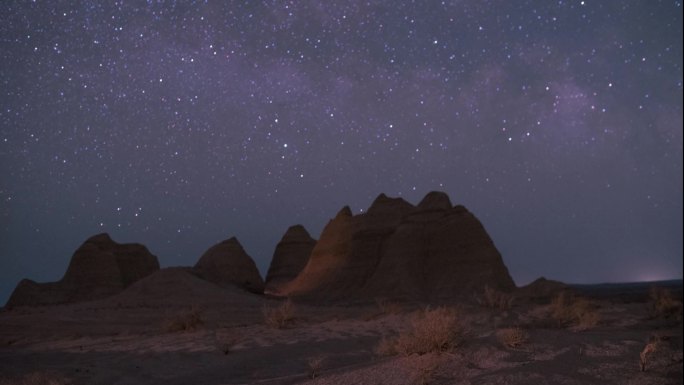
[126, 340]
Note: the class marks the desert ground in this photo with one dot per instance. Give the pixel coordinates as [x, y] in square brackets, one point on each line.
[204, 334]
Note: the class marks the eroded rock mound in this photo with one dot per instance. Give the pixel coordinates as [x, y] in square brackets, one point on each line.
[227, 263]
[181, 287]
[541, 289]
[289, 258]
[397, 250]
[99, 268]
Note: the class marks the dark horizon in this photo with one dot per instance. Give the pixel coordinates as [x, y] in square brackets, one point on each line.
[559, 125]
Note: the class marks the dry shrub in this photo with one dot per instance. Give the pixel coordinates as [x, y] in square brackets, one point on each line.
[495, 299]
[225, 347]
[36, 378]
[435, 330]
[423, 369]
[185, 321]
[387, 307]
[646, 353]
[315, 365]
[279, 317]
[226, 344]
[663, 303]
[512, 337]
[568, 310]
[386, 347]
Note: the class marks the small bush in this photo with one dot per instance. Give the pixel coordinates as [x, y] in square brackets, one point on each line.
[387, 307]
[279, 317]
[512, 337]
[423, 369]
[495, 299]
[186, 321]
[435, 330]
[225, 345]
[663, 303]
[587, 317]
[315, 365]
[386, 347]
[570, 311]
[646, 353]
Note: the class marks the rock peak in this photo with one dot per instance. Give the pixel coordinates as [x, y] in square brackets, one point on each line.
[344, 212]
[289, 258]
[296, 232]
[227, 263]
[384, 203]
[100, 238]
[231, 241]
[435, 200]
[380, 200]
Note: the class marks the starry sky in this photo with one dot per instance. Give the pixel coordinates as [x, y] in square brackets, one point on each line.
[180, 124]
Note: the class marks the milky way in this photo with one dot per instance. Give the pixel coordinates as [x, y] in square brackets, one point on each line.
[178, 125]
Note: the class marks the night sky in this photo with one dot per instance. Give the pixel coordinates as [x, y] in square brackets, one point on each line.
[178, 125]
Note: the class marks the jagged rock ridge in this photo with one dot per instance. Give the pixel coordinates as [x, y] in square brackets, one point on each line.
[395, 249]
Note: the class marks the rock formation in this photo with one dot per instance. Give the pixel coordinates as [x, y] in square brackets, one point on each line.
[433, 250]
[541, 290]
[227, 264]
[174, 287]
[289, 258]
[99, 268]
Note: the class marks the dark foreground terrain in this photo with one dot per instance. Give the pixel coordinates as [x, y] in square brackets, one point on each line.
[603, 334]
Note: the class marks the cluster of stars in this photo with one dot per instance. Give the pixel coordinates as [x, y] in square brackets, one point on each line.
[178, 125]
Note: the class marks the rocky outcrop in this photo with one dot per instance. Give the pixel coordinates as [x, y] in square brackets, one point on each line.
[175, 287]
[398, 250]
[227, 264]
[99, 268]
[289, 258]
[541, 289]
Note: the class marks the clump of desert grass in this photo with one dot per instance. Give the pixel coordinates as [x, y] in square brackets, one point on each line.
[279, 317]
[387, 307]
[315, 364]
[513, 337]
[423, 369]
[664, 304]
[384, 307]
[225, 343]
[646, 353]
[495, 299]
[431, 330]
[188, 320]
[576, 312]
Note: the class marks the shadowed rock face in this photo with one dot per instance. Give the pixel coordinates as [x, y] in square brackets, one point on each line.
[289, 258]
[398, 250]
[227, 263]
[99, 268]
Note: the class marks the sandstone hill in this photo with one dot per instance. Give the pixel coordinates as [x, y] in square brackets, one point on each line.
[180, 287]
[289, 258]
[99, 268]
[227, 264]
[397, 250]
